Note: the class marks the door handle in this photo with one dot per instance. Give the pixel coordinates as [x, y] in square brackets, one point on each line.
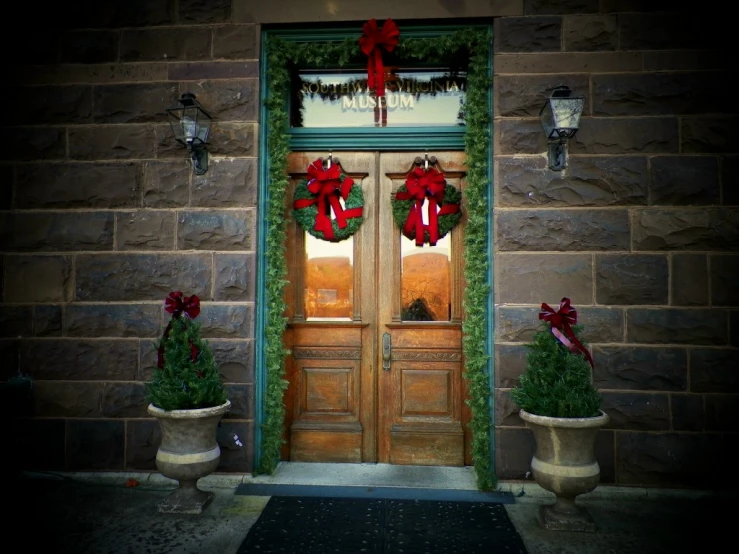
[386, 348]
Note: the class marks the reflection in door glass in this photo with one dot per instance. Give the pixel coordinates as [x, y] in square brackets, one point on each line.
[329, 279]
[425, 280]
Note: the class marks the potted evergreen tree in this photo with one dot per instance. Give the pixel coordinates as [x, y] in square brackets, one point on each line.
[188, 399]
[562, 408]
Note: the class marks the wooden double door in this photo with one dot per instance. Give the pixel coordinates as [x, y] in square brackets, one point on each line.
[375, 329]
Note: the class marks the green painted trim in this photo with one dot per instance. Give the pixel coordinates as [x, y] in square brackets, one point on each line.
[387, 138]
[491, 270]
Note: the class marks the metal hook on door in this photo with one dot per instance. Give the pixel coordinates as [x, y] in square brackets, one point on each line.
[426, 161]
[330, 159]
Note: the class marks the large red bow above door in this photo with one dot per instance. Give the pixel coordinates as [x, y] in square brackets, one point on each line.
[373, 41]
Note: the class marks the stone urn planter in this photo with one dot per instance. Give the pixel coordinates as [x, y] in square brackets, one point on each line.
[564, 463]
[188, 451]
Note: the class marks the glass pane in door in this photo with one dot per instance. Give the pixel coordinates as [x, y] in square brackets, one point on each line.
[425, 280]
[329, 279]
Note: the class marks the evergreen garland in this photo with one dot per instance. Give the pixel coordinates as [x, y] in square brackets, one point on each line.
[475, 45]
[184, 383]
[447, 222]
[557, 382]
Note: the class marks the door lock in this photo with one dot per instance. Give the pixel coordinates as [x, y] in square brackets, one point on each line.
[386, 351]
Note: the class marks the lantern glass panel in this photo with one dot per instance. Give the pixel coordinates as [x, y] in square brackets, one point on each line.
[547, 120]
[566, 115]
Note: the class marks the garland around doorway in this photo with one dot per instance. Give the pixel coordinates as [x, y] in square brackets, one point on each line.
[474, 42]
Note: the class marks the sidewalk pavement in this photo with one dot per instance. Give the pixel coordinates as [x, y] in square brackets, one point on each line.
[97, 513]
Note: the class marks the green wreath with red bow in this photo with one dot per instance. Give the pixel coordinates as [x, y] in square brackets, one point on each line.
[317, 203]
[444, 200]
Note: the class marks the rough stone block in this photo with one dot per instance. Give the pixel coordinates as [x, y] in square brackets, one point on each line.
[80, 359]
[216, 230]
[111, 142]
[113, 320]
[676, 326]
[667, 30]
[235, 457]
[661, 93]
[47, 321]
[178, 43]
[194, 71]
[589, 33]
[520, 136]
[637, 6]
[235, 359]
[145, 230]
[56, 231]
[38, 279]
[41, 444]
[16, 321]
[134, 103]
[95, 445]
[540, 7]
[640, 368]
[686, 60]
[65, 74]
[510, 363]
[126, 277]
[67, 399]
[242, 401]
[562, 230]
[724, 279]
[687, 412]
[637, 411]
[35, 143]
[49, 105]
[528, 34]
[132, 13]
[124, 400]
[734, 328]
[9, 350]
[687, 229]
[588, 181]
[568, 62]
[147, 360]
[78, 185]
[236, 100]
[534, 278]
[204, 11]
[167, 184]
[633, 135]
[631, 279]
[605, 454]
[143, 438]
[6, 190]
[514, 449]
[722, 412]
[167, 146]
[601, 325]
[515, 324]
[714, 370]
[506, 410]
[524, 95]
[684, 181]
[689, 280]
[730, 180]
[89, 47]
[229, 183]
[227, 321]
[709, 134]
[236, 42]
[233, 140]
[668, 459]
[235, 277]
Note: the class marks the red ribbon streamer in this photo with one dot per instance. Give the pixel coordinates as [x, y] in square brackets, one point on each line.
[327, 188]
[372, 41]
[422, 184]
[176, 304]
[561, 321]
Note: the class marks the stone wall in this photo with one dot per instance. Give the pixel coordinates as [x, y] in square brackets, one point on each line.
[640, 231]
[101, 217]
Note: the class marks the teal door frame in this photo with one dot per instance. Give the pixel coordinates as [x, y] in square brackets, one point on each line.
[390, 139]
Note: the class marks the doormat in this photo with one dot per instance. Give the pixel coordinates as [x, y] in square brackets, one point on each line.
[311, 525]
[388, 493]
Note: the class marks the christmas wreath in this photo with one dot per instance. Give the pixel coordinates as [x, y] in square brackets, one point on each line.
[444, 206]
[319, 196]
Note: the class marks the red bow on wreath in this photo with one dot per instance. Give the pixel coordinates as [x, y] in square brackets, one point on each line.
[422, 184]
[561, 321]
[176, 304]
[327, 188]
[372, 41]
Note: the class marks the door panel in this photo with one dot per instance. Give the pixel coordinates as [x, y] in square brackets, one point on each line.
[341, 404]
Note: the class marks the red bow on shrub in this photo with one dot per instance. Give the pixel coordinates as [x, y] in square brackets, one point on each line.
[372, 41]
[176, 304]
[561, 321]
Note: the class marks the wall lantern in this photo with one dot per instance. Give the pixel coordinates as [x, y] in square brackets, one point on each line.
[191, 127]
[560, 117]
